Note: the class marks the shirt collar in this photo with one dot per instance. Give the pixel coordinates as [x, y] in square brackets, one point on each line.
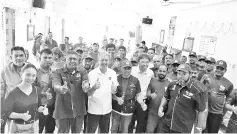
[44, 71]
[99, 72]
[12, 67]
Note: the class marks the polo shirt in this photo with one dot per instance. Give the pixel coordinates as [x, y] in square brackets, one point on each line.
[232, 100]
[219, 90]
[72, 103]
[183, 102]
[158, 87]
[100, 103]
[9, 79]
[43, 82]
[128, 88]
[144, 78]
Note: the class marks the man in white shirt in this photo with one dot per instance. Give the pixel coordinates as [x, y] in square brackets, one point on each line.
[144, 75]
[103, 83]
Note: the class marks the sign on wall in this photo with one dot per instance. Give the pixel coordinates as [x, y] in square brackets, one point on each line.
[207, 45]
[188, 44]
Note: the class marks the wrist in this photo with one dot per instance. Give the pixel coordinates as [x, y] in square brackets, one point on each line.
[199, 128]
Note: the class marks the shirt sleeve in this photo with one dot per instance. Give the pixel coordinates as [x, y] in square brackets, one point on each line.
[138, 87]
[92, 78]
[8, 105]
[229, 90]
[231, 98]
[114, 79]
[3, 84]
[84, 74]
[201, 100]
[167, 92]
[56, 78]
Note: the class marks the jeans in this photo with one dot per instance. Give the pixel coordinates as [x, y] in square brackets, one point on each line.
[166, 129]
[213, 122]
[47, 121]
[120, 121]
[141, 117]
[75, 124]
[153, 122]
[94, 120]
[231, 128]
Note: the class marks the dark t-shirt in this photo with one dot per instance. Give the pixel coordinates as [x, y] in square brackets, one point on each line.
[158, 87]
[232, 100]
[19, 102]
[219, 90]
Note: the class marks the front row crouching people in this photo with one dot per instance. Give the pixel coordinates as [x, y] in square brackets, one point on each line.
[123, 102]
[103, 83]
[183, 97]
[22, 104]
[70, 97]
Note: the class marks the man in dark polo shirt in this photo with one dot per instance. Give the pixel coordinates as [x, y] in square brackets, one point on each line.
[156, 90]
[184, 97]
[231, 105]
[219, 89]
[70, 98]
[123, 103]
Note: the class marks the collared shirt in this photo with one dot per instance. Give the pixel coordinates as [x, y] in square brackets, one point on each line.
[100, 103]
[72, 103]
[144, 78]
[51, 44]
[10, 78]
[43, 82]
[183, 102]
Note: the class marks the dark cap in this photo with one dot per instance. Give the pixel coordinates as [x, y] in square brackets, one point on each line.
[110, 45]
[122, 47]
[210, 59]
[184, 67]
[201, 57]
[193, 54]
[88, 57]
[134, 59]
[117, 56]
[57, 51]
[79, 48]
[176, 63]
[72, 52]
[221, 63]
[126, 63]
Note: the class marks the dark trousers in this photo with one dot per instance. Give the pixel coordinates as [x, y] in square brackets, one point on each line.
[47, 121]
[93, 121]
[141, 117]
[213, 122]
[154, 123]
[75, 124]
[166, 129]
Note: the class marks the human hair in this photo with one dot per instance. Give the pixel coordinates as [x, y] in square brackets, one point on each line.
[40, 34]
[95, 44]
[143, 56]
[143, 42]
[170, 55]
[110, 46]
[17, 48]
[28, 65]
[122, 39]
[162, 65]
[122, 47]
[67, 38]
[151, 49]
[46, 51]
[72, 52]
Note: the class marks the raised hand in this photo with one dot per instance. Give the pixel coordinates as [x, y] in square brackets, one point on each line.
[160, 112]
[97, 84]
[26, 116]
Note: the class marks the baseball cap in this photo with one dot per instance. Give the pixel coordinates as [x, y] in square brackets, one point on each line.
[126, 63]
[210, 59]
[221, 63]
[184, 67]
[57, 51]
[79, 48]
[193, 54]
[88, 57]
[134, 59]
[201, 57]
[176, 63]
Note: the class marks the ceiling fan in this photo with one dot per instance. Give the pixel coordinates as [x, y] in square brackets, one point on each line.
[169, 2]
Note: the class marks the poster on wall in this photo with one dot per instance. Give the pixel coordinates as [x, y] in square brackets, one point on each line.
[177, 53]
[30, 32]
[188, 44]
[207, 45]
[157, 47]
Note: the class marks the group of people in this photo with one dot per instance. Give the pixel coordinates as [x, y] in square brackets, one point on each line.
[98, 86]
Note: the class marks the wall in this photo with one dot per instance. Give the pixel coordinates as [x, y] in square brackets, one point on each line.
[219, 20]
